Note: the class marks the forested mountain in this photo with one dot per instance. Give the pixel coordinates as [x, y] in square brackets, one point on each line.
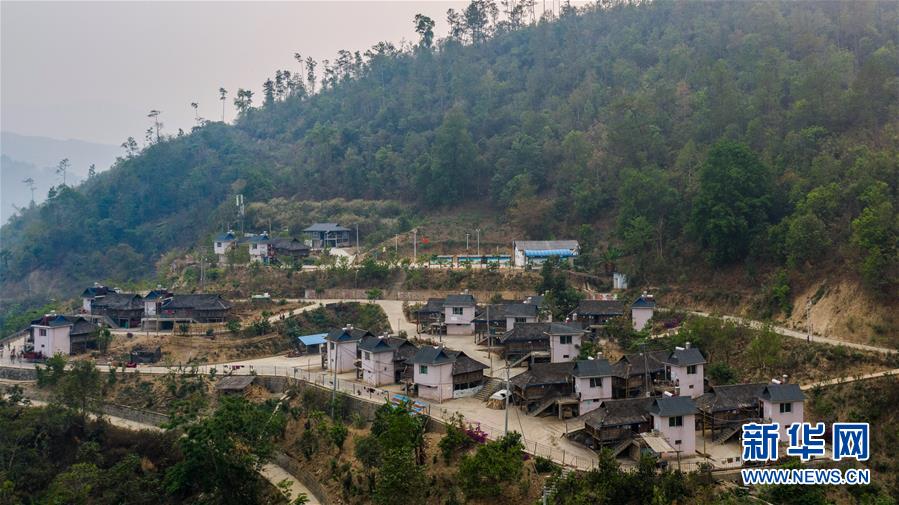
[756, 133]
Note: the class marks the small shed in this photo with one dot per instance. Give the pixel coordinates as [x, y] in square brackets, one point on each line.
[311, 344]
[234, 384]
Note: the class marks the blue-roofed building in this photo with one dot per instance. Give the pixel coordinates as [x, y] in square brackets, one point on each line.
[536, 252]
[642, 311]
[260, 247]
[327, 235]
[223, 242]
[311, 344]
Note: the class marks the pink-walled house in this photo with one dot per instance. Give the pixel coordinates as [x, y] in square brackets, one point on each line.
[685, 368]
[342, 348]
[674, 417]
[57, 334]
[783, 404]
[459, 312]
[564, 342]
[592, 383]
[441, 374]
[383, 359]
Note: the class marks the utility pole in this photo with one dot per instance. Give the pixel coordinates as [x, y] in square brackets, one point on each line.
[508, 394]
[415, 245]
[808, 319]
[357, 239]
[334, 389]
[466, 241]
[479, 241]
[396, 244]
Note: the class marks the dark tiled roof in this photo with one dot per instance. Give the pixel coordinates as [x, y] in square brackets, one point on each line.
[566, 328]
[462, 363]
[500, 312]
[644, 302]
[325, 227]
[289, 244]
[95, 291]
[197, 301]
[526, 332]
[80, 325]
[465, 364]
[600, 308]
[781, 393]
[671, 406]
[431, 355]
[633, 364]
[530, 332]
[263, 237]
[730, 397]
[119, 301]
[544, 373]
[592, 368]
[226, 237]
[434, 306]
[347, 334]
[235, 382]
[535, 300]
[619, 412]
[383, 344]
[459, 301]
[685, 357]
[157, 294]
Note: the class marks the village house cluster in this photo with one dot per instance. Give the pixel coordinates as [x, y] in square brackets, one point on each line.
[656, 401]
[267, 250]
[103, 306]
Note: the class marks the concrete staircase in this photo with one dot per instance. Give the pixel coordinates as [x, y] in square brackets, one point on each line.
[726, 435]
[491, 386]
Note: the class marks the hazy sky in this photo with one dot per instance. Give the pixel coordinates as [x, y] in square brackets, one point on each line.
[92, 70]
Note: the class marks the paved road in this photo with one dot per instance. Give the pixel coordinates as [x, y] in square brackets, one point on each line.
[798, 334]
[846, 380]
[271, 472]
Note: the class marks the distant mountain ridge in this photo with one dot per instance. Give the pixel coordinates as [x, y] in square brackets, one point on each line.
[25, 156]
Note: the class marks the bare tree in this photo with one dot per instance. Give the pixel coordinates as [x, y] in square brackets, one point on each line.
[223, 94]
[196, 107]
[62, 168]
[155, 115]
[29, 182]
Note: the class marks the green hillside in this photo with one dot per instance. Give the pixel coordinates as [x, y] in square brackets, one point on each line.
[683, 133]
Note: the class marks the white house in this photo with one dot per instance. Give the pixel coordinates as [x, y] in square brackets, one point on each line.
[459, 311]
[783, 404]
[564, 342]
[57, 334]
[535, 252]
[383, 359]
[90, 294]
[685, 367]
[642, 310]
[259, 247]
[342, 346]
[674, 417]
[441, 374]
[592, 383]
[223, 243]
[154, 300]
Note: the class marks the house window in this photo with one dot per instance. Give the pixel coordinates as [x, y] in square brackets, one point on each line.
[366, 355]
[218, 244]
[677, 442]
[691, 370]
[457, 311]
[254, 246]
[565, 339]
[423, 369]
[595, 382]
[786, 408]
[42, 332]
[566, 356]
[521, 319]
[332, 346]
[675, 421]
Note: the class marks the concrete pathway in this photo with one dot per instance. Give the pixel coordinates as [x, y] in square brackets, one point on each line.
[270, 471]
[847, 380]
[797, 334]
